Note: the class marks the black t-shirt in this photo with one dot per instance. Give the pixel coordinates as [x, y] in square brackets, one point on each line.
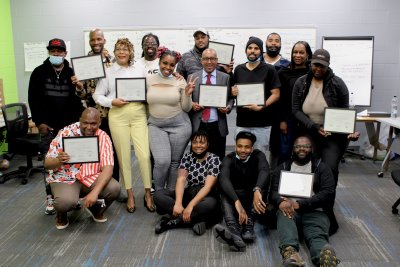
[262, 73]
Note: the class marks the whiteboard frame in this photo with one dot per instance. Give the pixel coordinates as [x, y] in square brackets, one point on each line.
[353, 99]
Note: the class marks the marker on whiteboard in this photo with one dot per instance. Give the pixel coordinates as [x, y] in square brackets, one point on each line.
[351, 100]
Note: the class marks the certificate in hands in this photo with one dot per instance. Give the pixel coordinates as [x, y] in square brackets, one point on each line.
[250, 93]
[213, 95]
[340, 120]
[131, 89]
[224, 51]
[82, 149]
[296, 184]
[88, 67]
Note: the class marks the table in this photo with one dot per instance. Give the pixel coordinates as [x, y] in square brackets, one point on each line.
[394, 123]
[373, 132]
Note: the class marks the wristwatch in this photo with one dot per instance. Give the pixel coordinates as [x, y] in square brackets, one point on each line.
[256, 189]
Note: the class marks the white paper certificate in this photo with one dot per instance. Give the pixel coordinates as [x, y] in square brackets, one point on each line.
[88, 67]
[213, 95]
[224, 51]
[250, 93]
[340, 120]
[296, 184]
[82, 149]
[131, 89]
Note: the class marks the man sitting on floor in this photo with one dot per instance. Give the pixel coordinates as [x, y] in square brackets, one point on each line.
[69, 182]
[305, 215]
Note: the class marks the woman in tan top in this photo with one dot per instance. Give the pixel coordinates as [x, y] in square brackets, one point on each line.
[169, 100]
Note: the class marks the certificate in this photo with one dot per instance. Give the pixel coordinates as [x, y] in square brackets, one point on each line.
[213, 95]
[296, 184]
[224, 51]
[250, 93]
[82, 149]
[340, 120]
[88, 67]
[131, 89]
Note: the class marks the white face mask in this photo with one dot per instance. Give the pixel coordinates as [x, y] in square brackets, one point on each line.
[56, 60]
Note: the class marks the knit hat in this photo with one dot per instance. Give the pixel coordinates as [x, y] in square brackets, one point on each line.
[257, 41]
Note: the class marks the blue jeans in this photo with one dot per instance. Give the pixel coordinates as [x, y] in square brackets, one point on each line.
[315, 228]
[262, 134]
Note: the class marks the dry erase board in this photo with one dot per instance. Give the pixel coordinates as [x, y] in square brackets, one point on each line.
[181, 40]
[352, 60]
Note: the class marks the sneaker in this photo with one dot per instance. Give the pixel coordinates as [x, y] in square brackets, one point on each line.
[161, 225]
[199, 228]
[235, 242]
[248, 234]
[62, 221]
[50, 207]
[327, 257]
[291, 257]
[96, 216]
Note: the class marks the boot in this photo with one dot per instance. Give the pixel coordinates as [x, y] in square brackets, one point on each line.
[231, 236]
[248, 234]
[328, 257]
[291, 258]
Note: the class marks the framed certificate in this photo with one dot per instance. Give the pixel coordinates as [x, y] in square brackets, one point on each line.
[296, 184]
[250, 93]
[340, 120]
[224, 51]
[213, 95]
[88, 67]
[82, 149]
[131, 89]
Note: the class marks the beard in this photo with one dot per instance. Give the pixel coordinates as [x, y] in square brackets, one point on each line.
[274, 51]
[301, 161]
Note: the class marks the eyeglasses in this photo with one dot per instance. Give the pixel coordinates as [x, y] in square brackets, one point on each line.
[121, 50]
[212, 59]
[306, 146]
[149, 44]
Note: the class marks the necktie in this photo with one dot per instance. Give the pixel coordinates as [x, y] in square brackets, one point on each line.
[205, 116]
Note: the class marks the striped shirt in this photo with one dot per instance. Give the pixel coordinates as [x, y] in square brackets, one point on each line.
[86, 173]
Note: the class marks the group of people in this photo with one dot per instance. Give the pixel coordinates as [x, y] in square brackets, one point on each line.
[205, 184]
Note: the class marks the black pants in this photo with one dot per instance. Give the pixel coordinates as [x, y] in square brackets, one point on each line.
[217, 141]
[231, 216]
[205, 211]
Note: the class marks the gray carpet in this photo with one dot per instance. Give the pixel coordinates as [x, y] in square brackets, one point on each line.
[369, 233]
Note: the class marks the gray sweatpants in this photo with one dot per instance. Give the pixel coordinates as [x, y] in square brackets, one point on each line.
[168, 140]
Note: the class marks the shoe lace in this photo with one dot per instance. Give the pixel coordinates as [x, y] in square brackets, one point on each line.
[288, 252]
[328, 258]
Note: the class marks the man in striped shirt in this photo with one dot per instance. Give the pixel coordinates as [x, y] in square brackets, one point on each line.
[92, 181]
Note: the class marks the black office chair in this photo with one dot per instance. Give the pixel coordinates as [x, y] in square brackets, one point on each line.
[396, 179]
[19, 141]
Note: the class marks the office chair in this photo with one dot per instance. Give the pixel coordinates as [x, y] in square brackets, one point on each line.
[396, 179]
[20, 141]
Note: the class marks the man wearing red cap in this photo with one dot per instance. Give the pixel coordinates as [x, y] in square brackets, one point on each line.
[52, 99]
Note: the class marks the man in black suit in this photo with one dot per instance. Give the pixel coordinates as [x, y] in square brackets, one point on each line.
[211, 120]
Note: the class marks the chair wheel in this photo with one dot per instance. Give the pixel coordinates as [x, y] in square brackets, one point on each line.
[24, 181]
[380, 174]
[395, 211]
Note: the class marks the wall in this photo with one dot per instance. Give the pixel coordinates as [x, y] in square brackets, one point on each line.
[42, 20]
[7, 63]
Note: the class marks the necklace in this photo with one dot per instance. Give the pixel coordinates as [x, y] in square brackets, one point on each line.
[58, 72]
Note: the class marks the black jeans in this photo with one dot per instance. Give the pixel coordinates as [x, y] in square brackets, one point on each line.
[205, 211]
[231, 216]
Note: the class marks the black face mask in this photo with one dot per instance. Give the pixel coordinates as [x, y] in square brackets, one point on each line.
[199, 156]
[301, 161]
[274, 51]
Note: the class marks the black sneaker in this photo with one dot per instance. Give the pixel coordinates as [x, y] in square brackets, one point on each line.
[223, 235]
[199, 228]
[161, 225]
[327, 257]
[248, 234]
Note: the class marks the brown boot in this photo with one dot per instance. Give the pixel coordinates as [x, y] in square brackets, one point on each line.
[291, 257]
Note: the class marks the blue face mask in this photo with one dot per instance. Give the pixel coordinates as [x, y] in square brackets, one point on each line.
[56, 60]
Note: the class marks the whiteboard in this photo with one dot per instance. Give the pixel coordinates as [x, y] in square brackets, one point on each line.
[352, 60]
[182, 40]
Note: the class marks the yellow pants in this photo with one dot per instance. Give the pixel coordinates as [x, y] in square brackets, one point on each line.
[130, 123]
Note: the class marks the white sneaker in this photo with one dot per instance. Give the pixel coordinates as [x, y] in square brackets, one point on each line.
[49, 207]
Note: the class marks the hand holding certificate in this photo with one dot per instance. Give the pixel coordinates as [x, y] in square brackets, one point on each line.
[250, 93]
[224, 51]
[213, 95]
[296, 184]
[88, 67]
[131, 89]
[82, 149]
[340, 120]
